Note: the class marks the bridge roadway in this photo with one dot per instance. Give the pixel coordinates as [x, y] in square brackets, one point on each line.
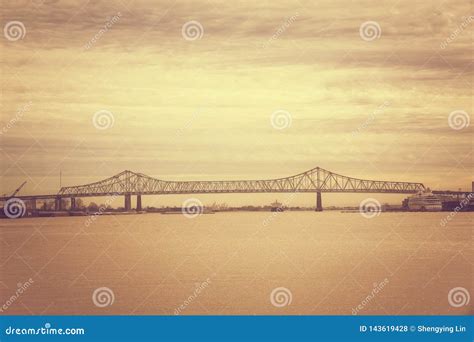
[316, 180]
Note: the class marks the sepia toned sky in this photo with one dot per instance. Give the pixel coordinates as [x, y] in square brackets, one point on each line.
[185, 108]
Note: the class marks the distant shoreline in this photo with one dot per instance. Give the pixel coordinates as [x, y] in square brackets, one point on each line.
[177, 211]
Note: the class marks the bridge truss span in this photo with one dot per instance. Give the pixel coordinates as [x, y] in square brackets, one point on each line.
[316, 180]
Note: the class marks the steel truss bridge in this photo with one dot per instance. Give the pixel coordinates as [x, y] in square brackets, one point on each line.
[317, 180]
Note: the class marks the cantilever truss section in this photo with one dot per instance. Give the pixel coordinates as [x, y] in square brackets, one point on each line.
[314, 180]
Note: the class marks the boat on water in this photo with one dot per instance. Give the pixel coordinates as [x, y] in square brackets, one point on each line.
[277, 206]
[424, 201]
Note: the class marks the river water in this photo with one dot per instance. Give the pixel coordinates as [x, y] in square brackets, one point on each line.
[238, 263]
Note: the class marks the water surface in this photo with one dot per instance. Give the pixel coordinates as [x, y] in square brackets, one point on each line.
[229, 263]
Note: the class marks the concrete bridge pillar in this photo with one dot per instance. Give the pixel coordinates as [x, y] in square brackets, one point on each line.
[319, 201]
[139, 202]
[73, 203]
[128, 202]
[58, 204]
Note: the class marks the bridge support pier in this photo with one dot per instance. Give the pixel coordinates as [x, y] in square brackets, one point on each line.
[319, 201]
[128, 202]
[139, 202]
[73, 203]
[58, 204]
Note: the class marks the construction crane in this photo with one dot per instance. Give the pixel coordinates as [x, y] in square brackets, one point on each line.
[17, 190]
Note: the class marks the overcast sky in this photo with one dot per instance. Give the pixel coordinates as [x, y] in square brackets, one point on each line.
[184, 108]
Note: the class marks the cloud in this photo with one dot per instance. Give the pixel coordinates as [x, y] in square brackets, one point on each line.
[245, 67]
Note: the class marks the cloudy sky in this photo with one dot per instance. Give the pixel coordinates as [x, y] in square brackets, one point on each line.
[235, 89]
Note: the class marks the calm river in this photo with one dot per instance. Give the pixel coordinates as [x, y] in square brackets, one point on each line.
[238, 263]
